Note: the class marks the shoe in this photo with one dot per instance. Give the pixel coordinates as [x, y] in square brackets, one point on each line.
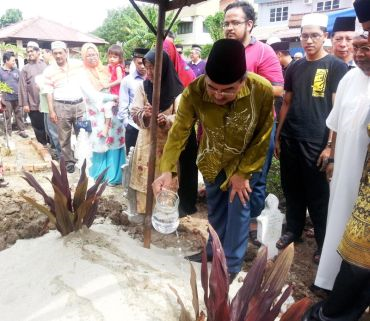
[253, 238]
[70, 168]
[232, 276]
[198, 257]
[23, 134]
[286, 239]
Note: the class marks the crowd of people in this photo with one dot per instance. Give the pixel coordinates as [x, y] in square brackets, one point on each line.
[227, 117]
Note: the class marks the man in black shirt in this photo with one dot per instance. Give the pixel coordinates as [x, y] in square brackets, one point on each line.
[302, 138]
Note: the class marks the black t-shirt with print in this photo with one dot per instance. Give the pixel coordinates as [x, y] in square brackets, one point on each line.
[312, 84]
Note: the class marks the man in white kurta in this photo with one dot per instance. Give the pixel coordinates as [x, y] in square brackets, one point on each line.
[348, 118]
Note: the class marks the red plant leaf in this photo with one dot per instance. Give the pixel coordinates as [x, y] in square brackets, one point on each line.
[194, 290]
[60, 180]
[92, 190]
[218, 282]
[204, 275]
[47, 199]
[251, 286]
[275, 310]
[62, 213]
[91, 214]
[297, 310]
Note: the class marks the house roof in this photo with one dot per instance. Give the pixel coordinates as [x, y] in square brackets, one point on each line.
[45, 31]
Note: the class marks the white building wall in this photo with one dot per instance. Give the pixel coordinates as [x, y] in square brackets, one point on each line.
[294, 6]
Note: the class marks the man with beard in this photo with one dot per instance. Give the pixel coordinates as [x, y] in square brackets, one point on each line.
[238, 24]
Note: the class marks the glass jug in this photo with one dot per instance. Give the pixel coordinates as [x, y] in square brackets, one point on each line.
[165, 218]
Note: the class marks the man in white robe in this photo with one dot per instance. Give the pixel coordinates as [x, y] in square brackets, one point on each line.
[348, 119]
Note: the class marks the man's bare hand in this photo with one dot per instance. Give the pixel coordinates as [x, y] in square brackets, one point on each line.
[329, 171]
[277, 148]
[161, 120]
[323, 159]
[239, 185]
[26, 109]
[162, 182]
[53, 116]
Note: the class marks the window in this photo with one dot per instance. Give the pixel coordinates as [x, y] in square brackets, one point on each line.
[327, 5]
[185, 27]
[205, 29]
[279, 14]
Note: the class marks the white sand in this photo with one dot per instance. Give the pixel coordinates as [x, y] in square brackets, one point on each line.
[99, 274]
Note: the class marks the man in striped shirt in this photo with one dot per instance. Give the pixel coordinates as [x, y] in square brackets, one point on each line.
[65, 98]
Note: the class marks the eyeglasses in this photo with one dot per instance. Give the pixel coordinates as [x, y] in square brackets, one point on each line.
[364, 49]
[313, 36]
[233, 24]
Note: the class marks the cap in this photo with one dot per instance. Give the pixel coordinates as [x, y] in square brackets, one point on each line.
[362, 8]
[344, 24]
[272, 40]
[58, 45]
[280, 46]
[315, 19]
[33, 44]
[140, 52]
[298, 54]
[226, 62]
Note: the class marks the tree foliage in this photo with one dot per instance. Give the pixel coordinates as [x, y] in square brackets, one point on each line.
[214, 25]
[11, 16]
[125, 26]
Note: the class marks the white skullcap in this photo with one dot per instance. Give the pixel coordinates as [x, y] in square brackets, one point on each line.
[315, 19]
[327, 43]
[58, 45]
[272, 40]
[33, 44]
[298, 54]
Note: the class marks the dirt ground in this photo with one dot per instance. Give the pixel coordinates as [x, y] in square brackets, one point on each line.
[19, 220]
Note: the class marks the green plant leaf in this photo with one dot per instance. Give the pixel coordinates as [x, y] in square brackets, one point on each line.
[41, 208]
[63, 215]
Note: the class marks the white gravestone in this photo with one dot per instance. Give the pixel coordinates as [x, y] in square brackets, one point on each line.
[269, 225]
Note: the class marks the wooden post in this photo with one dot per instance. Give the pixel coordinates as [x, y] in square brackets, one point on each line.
[153, 127]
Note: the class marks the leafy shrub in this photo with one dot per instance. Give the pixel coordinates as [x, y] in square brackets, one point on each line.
[67, 214]
[258, 299]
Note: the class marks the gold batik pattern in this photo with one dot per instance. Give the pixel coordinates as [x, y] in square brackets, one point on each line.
[355, 245]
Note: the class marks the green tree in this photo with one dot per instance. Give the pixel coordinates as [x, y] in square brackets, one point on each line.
[125, 26]
[214, 27]
[11, 16]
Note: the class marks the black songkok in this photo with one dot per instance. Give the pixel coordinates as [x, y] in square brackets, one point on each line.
[140, 52]
[280, 46]
[226, 62]
[344, 24]
[362, 8]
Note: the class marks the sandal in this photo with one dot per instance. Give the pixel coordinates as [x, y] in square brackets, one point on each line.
[316, 257]
[310, 232]
[253, 238]
[286, 239]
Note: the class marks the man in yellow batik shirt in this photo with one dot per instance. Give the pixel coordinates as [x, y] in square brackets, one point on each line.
[235, 111]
